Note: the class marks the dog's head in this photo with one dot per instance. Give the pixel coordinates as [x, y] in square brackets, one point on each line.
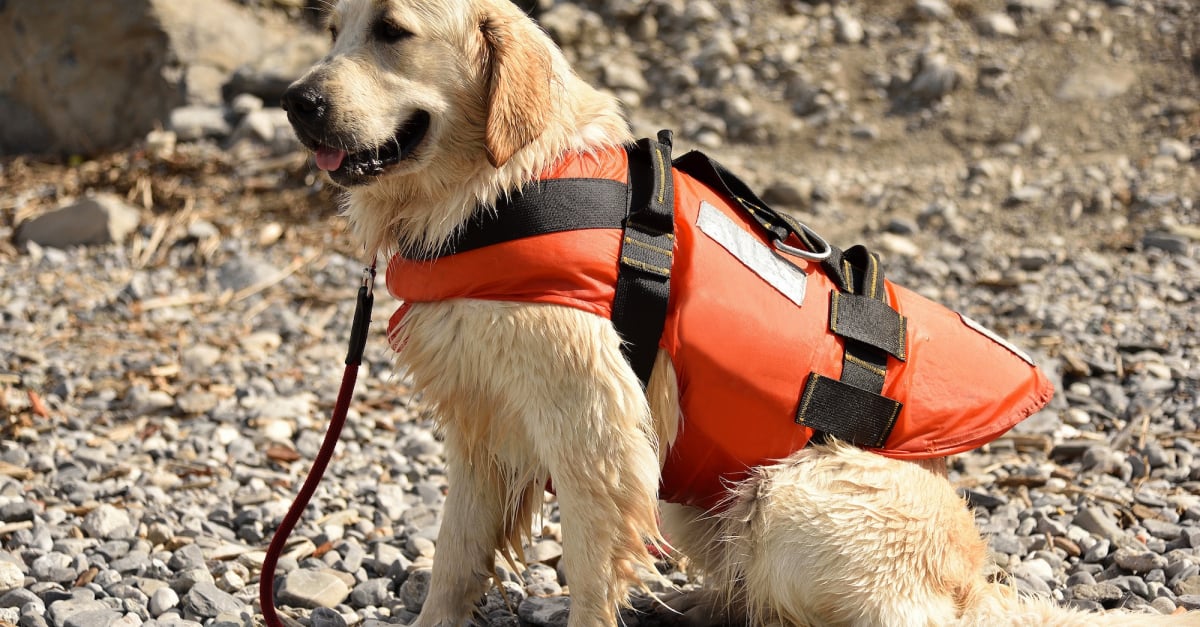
[407, 81]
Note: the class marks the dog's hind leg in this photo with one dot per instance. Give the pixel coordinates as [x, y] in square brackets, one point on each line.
[838, 536]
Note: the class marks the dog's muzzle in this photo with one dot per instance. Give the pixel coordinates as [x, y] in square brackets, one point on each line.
[348, 162]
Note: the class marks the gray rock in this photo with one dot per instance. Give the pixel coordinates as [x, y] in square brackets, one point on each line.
[207, 600]
[1138, 561]
[933, 78]
[1096, 82]
[997, 24]
[245, 270]
[19, 511]
[107, 522]
[545, 611]
[326, 617]
[849, 29]
[96, 618]
[415, 589]
[187, 557]
[194, 122]
[1169, 242]
[53, 566]
[1099, 522]
[1098, 592]
[312, 588]
[79, 96]
[61, 611]
[544, 552]
[371, 593]
[162, 600]
[20, 598]
[11, 577]
[933, 10]
[97, 220]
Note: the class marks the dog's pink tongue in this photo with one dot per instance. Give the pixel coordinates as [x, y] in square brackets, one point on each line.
[329, 159]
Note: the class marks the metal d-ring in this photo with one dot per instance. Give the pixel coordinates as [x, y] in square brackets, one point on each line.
[818, 255]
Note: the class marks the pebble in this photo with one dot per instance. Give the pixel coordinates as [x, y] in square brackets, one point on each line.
[312, 588]
[98, 220]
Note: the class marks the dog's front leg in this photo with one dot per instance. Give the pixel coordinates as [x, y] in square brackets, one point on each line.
[594, 435]
[536, 390]
[472, 524]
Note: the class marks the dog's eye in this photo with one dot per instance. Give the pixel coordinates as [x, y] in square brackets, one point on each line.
[389, 32]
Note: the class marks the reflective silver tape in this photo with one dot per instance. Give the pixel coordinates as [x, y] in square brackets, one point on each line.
[779, 273]
[997, 339]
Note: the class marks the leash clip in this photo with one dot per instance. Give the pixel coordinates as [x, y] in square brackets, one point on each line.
[368, 279]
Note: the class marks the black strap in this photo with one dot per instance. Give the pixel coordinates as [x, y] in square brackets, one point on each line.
[847, 412]
[647, 254]
[541, 207]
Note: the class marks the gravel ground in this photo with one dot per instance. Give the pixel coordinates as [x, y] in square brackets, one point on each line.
[162, 395]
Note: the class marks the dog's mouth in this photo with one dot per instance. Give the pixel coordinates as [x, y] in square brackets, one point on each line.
[351, 168]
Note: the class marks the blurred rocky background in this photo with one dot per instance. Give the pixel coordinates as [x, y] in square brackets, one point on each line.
[176, 287]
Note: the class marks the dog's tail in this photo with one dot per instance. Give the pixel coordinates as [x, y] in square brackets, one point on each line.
[997, 604]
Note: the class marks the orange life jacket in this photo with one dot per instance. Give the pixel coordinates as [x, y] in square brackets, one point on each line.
[747, 355]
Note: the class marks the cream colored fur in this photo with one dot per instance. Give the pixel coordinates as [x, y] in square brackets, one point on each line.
[830, 536]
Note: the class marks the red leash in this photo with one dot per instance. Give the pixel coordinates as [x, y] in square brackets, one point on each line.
[358, 342]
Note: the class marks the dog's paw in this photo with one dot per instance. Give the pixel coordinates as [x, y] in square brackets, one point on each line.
[697, 608]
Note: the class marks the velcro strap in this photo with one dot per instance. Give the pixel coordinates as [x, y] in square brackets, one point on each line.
[863, 366]
[846, 412]
[870, 321]
[647, 251]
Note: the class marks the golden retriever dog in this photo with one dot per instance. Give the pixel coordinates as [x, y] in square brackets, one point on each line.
[425, 110]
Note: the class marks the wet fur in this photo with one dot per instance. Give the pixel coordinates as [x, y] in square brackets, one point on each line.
[522, 392]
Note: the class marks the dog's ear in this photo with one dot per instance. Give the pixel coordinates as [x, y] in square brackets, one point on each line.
[519, 77]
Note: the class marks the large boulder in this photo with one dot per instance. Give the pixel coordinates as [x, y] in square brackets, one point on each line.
[80, 76]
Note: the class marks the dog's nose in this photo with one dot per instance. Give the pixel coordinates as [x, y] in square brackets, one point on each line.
[305, 102]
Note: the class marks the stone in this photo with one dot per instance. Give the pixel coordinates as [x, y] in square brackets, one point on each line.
[849, 29]
[107, 522]
[96, 220]
[545, 611]
[194, 122]
[1096, 82]
[415, 589]
[1097, 521]
[1167, 242]
[371, 593]
[60, 611]
[1138, 561]
[1098, 592]
[66, 89]
[96, 618]
[997, 24]
[326, 617]
[935, 10]
[934, 78]
[11, 577]
[207, 600]
[162, 600]
[312, 588]
[544, 552]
